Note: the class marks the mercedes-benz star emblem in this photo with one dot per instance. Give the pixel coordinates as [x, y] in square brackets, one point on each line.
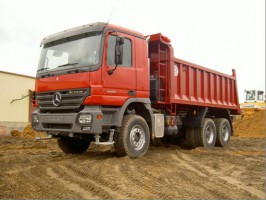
[57, 99]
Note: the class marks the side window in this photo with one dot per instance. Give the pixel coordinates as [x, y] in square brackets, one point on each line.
[260, 95]
[127, 52]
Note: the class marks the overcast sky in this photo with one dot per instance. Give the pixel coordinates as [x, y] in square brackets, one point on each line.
[218, 34]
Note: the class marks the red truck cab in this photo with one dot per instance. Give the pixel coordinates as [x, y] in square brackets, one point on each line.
[108, 84]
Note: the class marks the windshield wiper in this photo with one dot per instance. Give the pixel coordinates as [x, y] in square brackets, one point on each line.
[75, 70]
[67, 64]
[42, 69]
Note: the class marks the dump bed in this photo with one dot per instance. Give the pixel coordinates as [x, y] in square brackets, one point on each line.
[196, 85]
[182, 82]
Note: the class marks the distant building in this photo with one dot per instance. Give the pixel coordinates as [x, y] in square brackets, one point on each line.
[16, 101]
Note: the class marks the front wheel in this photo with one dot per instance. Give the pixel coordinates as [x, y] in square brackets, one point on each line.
[73, 145]
[133, 139]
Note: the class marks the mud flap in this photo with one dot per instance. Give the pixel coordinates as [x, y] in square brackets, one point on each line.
[195, 118]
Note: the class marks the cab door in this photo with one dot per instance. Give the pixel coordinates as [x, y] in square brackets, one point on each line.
[121, 84]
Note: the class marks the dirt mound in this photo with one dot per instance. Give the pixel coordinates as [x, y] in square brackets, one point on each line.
[251, 125]
[28, 132]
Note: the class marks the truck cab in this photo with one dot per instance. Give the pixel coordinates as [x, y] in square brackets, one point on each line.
[254, 100]
[86, 79]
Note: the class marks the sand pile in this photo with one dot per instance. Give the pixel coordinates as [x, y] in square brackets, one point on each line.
[28, 132]
[250, 125]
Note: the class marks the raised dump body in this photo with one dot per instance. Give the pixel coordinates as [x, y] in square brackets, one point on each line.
[175, 81]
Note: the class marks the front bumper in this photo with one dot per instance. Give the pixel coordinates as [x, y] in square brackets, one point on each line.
[54, 123]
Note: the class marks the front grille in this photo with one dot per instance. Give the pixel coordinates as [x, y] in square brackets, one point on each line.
[57, 126]
[70, 99]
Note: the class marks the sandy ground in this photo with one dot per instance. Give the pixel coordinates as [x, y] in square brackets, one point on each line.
[39, 170]
[251, 125]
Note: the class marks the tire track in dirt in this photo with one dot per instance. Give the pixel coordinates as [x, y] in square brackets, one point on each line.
[86, 178]
[33, 183]
[104, 174]
[70, 185]
[155, 181]
[197, 189]
[111, 172]
[142, 186]
[148, 185]
[29, 172]
[27, 189]
[96, 192]
[44, 185]
[172, 181]
[114, 172]
[211, 174]
[160, 186]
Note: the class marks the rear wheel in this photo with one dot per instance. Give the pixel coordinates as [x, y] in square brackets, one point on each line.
[223, 132]
[207, 134]
[134, 137]
[73, 145]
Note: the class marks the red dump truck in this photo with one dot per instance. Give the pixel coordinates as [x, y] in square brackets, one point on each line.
[114, 86]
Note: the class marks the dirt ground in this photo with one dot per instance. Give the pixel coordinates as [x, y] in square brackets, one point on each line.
[251, 125]
[39, 170]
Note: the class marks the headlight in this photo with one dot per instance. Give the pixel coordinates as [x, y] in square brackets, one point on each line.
[84, 118]
[35, 119]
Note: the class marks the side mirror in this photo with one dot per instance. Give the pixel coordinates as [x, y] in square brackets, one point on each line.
[119, 50]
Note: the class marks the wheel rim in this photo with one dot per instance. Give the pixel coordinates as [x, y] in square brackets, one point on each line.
[209, 133]
[225, 133]
[137, 137]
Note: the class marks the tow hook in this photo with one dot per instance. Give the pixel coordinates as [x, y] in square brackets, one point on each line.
[38, 137]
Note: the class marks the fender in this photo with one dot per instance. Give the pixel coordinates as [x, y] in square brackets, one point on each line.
[146, 102]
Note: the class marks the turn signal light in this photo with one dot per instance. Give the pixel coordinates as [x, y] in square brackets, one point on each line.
[99, 116]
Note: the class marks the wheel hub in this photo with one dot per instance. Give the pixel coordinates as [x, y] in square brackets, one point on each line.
[137, 137]
[209, 134]
[225, 133]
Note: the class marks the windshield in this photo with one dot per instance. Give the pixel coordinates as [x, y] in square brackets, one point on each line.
[250, 95]
[76, 51]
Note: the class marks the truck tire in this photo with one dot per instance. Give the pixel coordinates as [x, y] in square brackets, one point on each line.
[73, 145]
[133, 139]
[191, 141]
[206, 135]
[223, 132]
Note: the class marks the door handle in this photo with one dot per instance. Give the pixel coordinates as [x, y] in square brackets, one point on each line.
[131, 92]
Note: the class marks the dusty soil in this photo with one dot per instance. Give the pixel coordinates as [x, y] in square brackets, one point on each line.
[39, 170]
[251, 125]
[28, 132]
